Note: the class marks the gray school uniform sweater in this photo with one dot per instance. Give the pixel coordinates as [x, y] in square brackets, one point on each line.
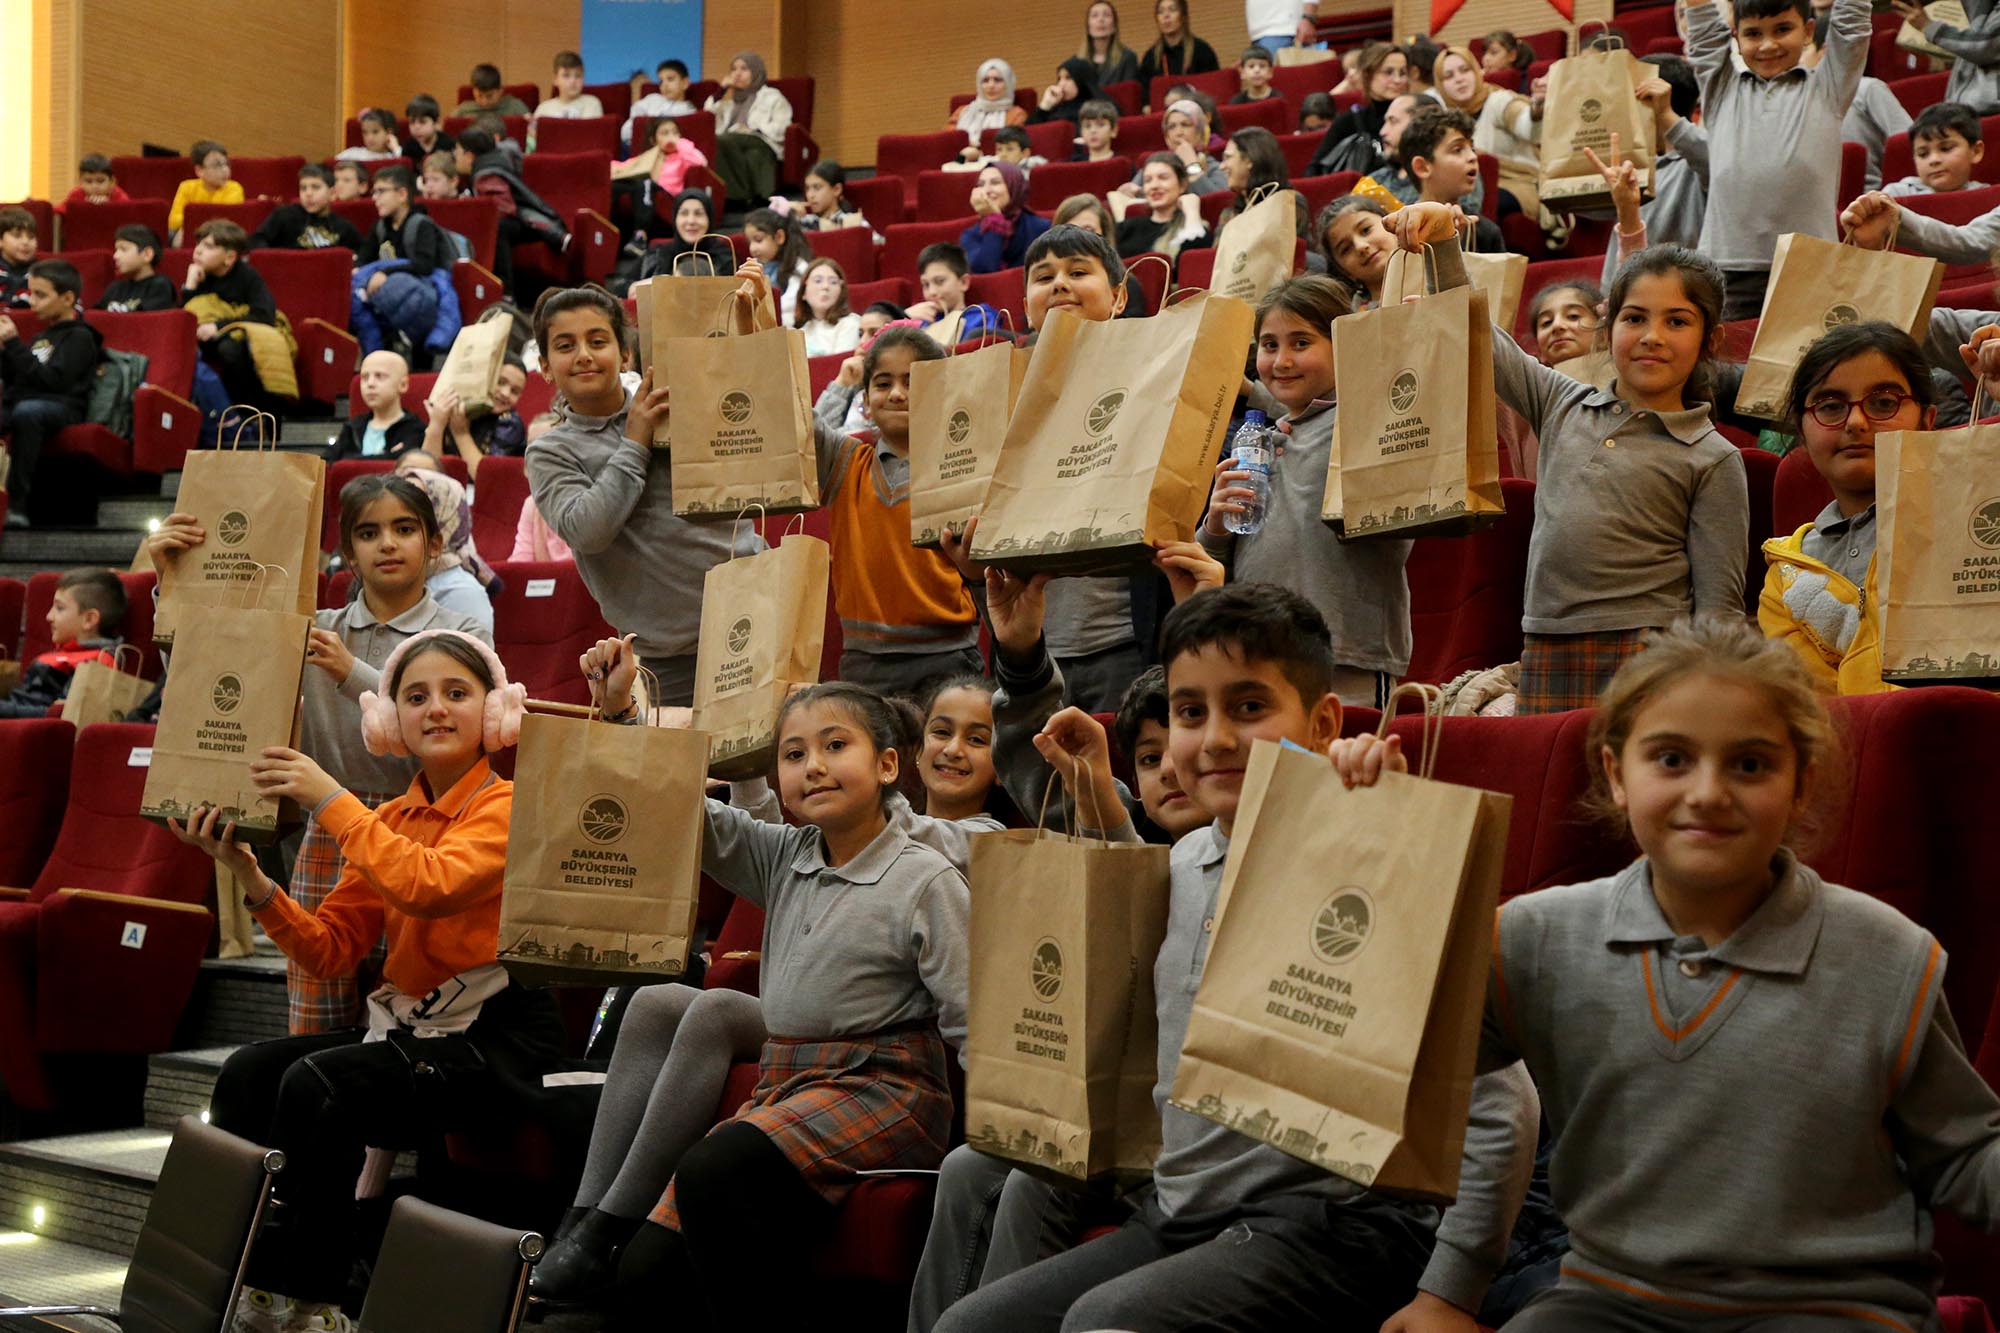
[1873, 117]
[1673, 216]
[1760, 1125]
[1640, 516]
[1955, 243]
[1357, 586]
[612, 500]
[1948, 331]
[1208, 1169]
[851, 949]
[330, 717]
[1775, 143]
[1975, 74]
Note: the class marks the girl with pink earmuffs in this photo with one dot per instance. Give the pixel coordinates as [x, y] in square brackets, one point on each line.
[447, 1031]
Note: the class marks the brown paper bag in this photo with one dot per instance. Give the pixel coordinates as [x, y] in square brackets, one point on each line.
[1501, 277]
[10, 676]
[687, 304]
[763, 624]
[1304, 55]
[1062, 1036]
[1338, 1017]
[1254, 253]
[1816, 286]
[100, 693]
[1591, 97]
[742, 425]
[1937, 554]
[1415, 450]
[959, 409]
[1911, 38]
[1114, 438]
[260, 507]
[472, 368]
[604, 850]
[232, 690]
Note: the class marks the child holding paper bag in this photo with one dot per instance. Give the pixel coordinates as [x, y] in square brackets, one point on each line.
[1237, 1234]
[1599, 575]
[1719, 982]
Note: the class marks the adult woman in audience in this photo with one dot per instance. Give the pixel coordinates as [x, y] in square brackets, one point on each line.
[1074, 84]
[1088, 212]
[1505, 125]
[1253, 165]
[750, 121]
[693, 215]
[1166, 219]
[1113, 60]
[1185, 128]
[1384, 73]
[1178, 50]
[1005, 229]
[992, 106]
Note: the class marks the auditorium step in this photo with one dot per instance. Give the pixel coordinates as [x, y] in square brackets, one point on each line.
[236, 1001]
[82, 1189]
[178, 1083]
[37, 1270]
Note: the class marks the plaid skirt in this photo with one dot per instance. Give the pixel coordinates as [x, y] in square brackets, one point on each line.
[836, 1106]
[1564, 671]
[326, 1004]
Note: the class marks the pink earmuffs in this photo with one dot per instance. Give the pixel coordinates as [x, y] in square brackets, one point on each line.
[382, 729]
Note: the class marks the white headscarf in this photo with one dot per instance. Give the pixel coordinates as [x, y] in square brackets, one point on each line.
[981, 114]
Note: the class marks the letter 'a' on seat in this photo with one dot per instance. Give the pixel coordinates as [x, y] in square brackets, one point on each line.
[188, 1265]
[443, 1270]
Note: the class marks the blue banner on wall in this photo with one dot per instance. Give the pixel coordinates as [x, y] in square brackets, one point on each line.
[620, 36]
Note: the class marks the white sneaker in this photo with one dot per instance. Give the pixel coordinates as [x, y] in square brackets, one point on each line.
[319, 1319]
[261, 1312]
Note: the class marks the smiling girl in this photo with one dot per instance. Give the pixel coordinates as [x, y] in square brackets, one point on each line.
[447, 1032]
[1600, 575]
[1353, 233]
[822, 312]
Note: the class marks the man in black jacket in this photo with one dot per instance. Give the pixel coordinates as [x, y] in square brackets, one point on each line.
[47, 379]
[311, 223]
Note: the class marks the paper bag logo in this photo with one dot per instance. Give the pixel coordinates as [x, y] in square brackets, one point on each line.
[1403, 390]
[228, 694]
[603, 819]
[1986, 524]
[233, 527]
[1591, 111]
[1340, 931]
[1839, 315]
[1236, 264]
[1047, 970]
[959, 426]
[739, 635]
[1103, 412]
[735, 407]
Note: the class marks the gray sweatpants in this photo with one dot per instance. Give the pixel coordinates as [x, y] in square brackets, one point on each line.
[991, 1220]
[1291, 1261]
[1575, 1308]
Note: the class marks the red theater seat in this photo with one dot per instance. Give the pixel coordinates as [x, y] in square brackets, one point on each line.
[1760, 472]
[902, 244]
[274, 178]
[1552, 273]
[883, 200]
[152, 177]
[595, 134]
[1465, 593]
[338, 474]
[543, 621]
[578, 187]
[165, 425]
[1059, 180]
[1273, 114]
[496, 505]
[249, 215]
[312, 287]
[853, 248]
[1005, 291]
[1798, 494]
[908, 156]
[476, 219]
[13, 597]
[95, 227]
[34, 783]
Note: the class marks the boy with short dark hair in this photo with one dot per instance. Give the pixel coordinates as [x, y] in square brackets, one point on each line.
[571, 102]
[19, 236]
[489, 93]
[1011, 144]
[1096, 131]
[670, 100]
[1234, 1229]
[211, 183]
[1945, 140]
[47, 379]
[1774, 130]
[1253, 67]
[84, 618]
[350, 182]
[1438, 152]
[942, 269]
[95, 184]
[220, 282]
[427, 134]
[134, 250]
[310, 223]
[395, 301]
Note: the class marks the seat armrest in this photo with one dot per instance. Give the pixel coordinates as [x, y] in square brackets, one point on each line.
[164, 427]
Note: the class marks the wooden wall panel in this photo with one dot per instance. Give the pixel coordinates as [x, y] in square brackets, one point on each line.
[263, 78]
[1477, 19]
[384, 66]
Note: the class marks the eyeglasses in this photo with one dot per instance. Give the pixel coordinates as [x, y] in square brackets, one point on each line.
[1879, 405]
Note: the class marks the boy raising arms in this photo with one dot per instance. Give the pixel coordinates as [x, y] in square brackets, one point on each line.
[309, 224]
[1234, 1234]
[134, 251]
[1773, 130]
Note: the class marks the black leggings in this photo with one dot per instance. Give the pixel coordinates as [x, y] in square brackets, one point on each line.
[323, 1099]
[746, 1214]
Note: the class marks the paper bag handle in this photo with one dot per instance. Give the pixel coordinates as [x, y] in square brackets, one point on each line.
[250, 585]
[1151, 258]
[1402, 276]
[1432, 699]
[990, 331]
[1979, 397]
[799, 519]
[1895, 228]
[674, 271]
[118, 658]
[1069, 821]
[243, 418]
[1576, 35]
[649, 687]
[763, 516]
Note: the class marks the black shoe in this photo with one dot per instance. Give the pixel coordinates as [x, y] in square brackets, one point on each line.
[583, 1263]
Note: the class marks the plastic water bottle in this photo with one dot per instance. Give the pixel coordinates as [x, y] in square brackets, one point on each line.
[1253, 451]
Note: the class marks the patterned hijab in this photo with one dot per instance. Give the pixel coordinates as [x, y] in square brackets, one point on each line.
[454, 515]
